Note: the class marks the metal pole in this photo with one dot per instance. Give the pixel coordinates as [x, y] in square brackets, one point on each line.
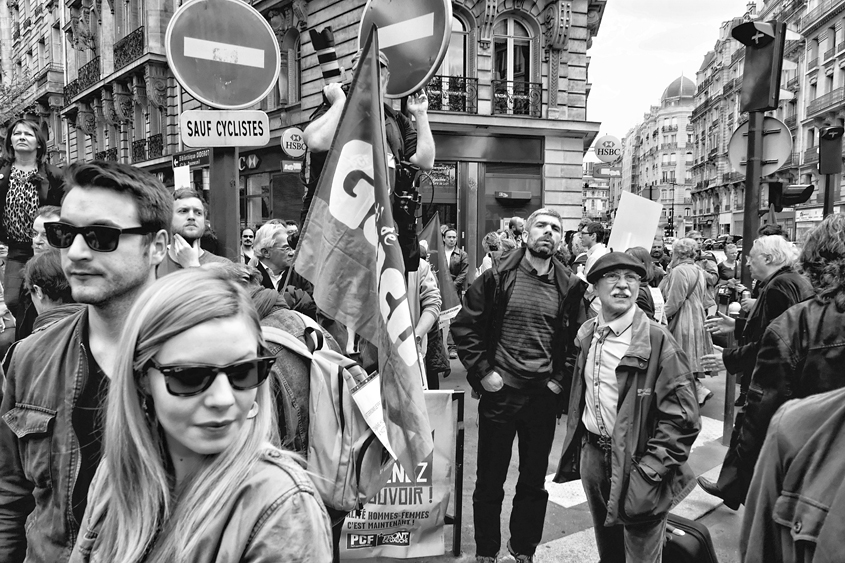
[828, 194]
[753, 171]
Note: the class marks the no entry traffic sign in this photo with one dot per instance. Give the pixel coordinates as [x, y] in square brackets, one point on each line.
[414, 34]
[223, 52]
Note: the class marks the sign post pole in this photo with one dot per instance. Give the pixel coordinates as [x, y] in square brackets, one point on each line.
[753, 170]
[224, 204]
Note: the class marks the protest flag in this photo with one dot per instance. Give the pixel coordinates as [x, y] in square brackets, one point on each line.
[350, 251]
[437, 258]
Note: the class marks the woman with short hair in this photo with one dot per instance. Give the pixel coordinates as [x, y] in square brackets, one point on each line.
[189, 470]
[685, 290]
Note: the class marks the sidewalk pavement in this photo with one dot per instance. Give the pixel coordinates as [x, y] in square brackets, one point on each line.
[568, 534]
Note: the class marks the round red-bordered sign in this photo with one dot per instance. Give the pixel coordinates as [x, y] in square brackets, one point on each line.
[223, 52]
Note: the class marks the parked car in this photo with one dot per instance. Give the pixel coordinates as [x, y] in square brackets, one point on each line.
[723, 240]
[708, 244]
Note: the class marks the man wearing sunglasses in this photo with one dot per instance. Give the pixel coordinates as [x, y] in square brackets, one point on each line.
[632, 419]
[188, 227]
[112, 233]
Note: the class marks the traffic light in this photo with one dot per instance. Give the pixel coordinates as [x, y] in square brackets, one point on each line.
[789, 196]
[830, 150]
[763, 63]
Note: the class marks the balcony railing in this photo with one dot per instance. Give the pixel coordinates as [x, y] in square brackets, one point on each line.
[129, 48]
[823, 9]
[108, 154]
[738, 54]
[793, 84]
[71, 91]
[690, 127]
[26, 23]
[16, 33]
[139, 150]
[826, 101]
[791, 121]
[813, 63]
[811, 155]
[668, 146]
[669, 128]
[791, 160]
[829, 53]
[155, 146]
[840, 47]
[512, 97]
[89, 73]
[37, 10]
[453, 93]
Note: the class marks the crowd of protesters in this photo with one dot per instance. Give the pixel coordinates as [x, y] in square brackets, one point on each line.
[137, 422]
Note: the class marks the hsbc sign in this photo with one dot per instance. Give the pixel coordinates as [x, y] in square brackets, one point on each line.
[608, 148]
[292, 142]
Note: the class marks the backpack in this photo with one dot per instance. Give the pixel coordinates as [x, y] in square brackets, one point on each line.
[348, 463]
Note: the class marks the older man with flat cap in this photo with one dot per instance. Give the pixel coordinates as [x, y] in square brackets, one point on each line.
[633, 417]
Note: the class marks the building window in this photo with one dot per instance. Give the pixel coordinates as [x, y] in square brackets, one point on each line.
[512, 51]
[290, 73]
[455, 61]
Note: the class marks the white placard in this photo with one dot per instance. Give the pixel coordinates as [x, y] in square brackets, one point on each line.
[635, 224]
[181, 177]
[224, 128]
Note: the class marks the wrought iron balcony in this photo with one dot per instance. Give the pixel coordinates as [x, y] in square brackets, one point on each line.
[452, 93]
[89, 73]
[71, 91]
[811, 155]
[791, 121]
[37, 10]
[668, 146]
[791, 160]
[826, 101]
[155, 146]
[512, 97]
[108, 154]
[793, 84]
[129, 48]
[813, 63]
[738, 54]
[823, 9]
[16, 33]
[139, 150]
[829, 53]
[669, 128]
[26, 23]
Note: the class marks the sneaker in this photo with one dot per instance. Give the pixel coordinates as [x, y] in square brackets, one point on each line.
[702, 393]
[485, 559]
[453, 354]
[520, 557]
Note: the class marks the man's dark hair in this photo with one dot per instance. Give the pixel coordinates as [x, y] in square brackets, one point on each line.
[449, 228]
[514, 221]
[153, 200]
[771, 229]
[597, 229]
[292, 223]
[45, 271]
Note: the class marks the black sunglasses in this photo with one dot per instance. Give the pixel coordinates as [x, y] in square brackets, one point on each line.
[187, 380]
[100, 238]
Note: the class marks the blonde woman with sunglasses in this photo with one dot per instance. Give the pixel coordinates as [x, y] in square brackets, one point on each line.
[188, 471]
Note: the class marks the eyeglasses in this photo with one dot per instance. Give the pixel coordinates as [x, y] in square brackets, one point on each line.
[585, 232]
[248, 236]
[286, 249]
[190, 380]
[614, 277]
[100, 238]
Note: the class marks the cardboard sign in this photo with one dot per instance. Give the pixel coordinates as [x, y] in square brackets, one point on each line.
[635, 224]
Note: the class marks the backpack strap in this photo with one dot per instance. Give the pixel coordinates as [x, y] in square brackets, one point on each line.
[286, 339]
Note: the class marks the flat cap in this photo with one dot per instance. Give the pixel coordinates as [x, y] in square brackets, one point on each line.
[614, 261]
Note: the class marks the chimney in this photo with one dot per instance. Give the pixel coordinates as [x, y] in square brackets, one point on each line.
[751, 8]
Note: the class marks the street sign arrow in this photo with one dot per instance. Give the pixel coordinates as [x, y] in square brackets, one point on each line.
[414, 34]
[223, 52]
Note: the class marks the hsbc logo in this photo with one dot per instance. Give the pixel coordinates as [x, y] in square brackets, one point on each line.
[608, 148]
[608, 144]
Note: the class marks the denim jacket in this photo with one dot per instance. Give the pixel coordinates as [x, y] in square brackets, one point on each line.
[274, 515]
[39, 452]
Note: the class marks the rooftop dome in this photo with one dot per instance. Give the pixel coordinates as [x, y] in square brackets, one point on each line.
[682, 86]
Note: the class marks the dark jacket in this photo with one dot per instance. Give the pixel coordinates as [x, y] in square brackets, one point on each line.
[781, 291]
[656, 425]
[39, 450]
[458, 266]
[49, 183]
[802, 353]
[298, 292]
[645, 301]
[478, 326]
[795, 511]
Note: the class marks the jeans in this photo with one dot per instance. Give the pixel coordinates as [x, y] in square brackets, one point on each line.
[15, 262]
[640, 543]
[502, 416]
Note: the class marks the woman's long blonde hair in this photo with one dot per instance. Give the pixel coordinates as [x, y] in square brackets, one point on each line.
[144, 518]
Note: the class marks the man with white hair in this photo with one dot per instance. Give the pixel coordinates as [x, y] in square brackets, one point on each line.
[771, 262]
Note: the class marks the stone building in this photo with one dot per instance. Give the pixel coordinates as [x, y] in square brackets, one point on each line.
[657, 156]
[508, 107]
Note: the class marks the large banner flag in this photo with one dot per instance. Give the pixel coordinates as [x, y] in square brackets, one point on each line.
[437, 258]
[349, 250]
